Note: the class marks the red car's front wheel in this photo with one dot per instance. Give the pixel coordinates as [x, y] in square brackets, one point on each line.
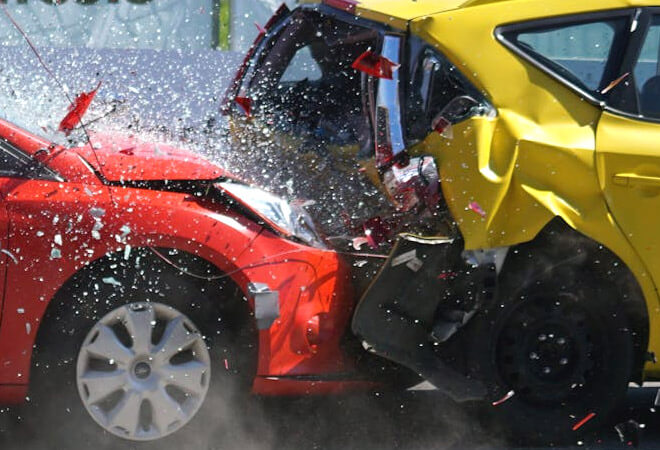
[135, 349]
[143, 371]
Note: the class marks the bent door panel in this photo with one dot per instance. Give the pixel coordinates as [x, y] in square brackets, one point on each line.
[628, 145]
[628, 160]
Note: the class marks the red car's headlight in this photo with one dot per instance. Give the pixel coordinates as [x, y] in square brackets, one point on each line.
[289, 219]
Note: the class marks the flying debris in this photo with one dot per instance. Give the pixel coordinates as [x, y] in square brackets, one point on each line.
[77, 110]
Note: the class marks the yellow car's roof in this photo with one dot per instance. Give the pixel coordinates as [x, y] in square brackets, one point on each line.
[411, 9]
[398, 13]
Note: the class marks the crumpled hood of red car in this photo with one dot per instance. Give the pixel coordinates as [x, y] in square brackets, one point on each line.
[122, 158]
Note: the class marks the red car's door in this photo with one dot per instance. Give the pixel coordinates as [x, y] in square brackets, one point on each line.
[11, 165]
[50, 227]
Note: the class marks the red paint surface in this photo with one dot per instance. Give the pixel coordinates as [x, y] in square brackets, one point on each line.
[125, 158]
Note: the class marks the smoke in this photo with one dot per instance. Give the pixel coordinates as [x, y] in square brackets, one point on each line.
[411, 420]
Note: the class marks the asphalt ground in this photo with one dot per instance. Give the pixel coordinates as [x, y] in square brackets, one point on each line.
[410, 420]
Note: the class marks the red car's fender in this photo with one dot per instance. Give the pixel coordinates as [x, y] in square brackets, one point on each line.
[315, 297]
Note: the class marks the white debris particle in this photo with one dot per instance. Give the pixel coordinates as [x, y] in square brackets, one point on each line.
[40, 233]
[127, 252]
[56, 219]
[20, 310]
[125, 230]
[28, 327]
[55, 253]
[111, 281]
[57, 239]
[97, 212]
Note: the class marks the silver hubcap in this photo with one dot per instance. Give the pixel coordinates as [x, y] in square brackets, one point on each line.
[143, 371]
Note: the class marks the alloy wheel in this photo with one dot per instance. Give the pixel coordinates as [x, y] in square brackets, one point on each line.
[143, 371]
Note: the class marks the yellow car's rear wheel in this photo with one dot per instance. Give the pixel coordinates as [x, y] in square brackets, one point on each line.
[561, 344]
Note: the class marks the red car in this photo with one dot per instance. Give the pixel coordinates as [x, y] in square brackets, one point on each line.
[140, 277]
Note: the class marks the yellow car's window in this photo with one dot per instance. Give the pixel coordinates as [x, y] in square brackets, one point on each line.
[584, 53]
[581, 49]
[647, 72]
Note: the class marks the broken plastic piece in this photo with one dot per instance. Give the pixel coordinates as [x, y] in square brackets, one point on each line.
[358, 242]
[404, 258]
[375, 65]
[474, 206]
[614, 83]
[413, 183]
[376, 231]
[628, 432]
[506, 397]
[586, 419]
[414, 264]
[266, 304]
[245, 103]
[77, 110]
[442, 126]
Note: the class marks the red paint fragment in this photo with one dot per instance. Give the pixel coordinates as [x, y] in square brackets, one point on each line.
[344, 5]
[77, 110]
[448, 275]
[245, 103]
[260, 28]
[375, 65]
[474, 206]
[503, 399]
[586, 419]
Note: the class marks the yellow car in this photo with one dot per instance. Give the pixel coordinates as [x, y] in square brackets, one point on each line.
[525, 134]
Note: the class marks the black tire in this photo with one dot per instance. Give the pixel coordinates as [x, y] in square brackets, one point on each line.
[216, 308]
[558, 338]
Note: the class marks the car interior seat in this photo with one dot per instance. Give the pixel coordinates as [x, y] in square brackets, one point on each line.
[650, 97]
